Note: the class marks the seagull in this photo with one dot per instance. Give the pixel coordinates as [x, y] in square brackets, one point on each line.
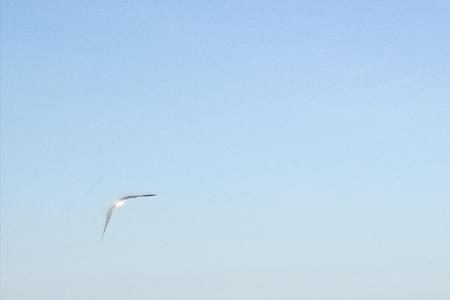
[119, 203]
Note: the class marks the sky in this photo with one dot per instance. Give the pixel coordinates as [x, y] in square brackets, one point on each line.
[299, 149]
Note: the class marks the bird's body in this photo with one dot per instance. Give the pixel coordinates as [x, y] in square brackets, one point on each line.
[119, 203]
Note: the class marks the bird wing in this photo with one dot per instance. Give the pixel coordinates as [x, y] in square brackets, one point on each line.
[136, 196]
[108, 218]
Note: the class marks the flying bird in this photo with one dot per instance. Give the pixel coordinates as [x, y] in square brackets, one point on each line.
[119, 203]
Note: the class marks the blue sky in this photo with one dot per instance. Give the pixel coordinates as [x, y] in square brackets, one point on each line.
[299, 150]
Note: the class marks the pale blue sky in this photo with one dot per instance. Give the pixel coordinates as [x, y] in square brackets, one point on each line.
[299, 149]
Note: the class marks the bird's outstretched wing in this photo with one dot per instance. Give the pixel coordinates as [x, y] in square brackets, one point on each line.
[108, 218]
[136, 196]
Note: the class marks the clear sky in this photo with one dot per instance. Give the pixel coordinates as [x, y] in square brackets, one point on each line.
[299, 149]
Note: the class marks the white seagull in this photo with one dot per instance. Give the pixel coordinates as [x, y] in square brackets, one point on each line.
[119, 203]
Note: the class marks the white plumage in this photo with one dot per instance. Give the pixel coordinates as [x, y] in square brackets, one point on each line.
[119, 203]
